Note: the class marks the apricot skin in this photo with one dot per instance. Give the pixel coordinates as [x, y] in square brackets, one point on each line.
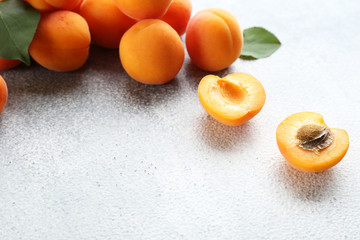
[61, 42]
[6, 64]
[178, 15]
[213, 39]
[151, 52]
[232, 100]
[143, 9]
[3, 94]
[106, 22]
[307, 160]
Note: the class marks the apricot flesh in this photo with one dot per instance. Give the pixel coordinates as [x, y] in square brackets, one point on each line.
[151, 52]
[214, 39]
[61, 42]
[232, 100]
[178, 15]
[143, 9]
[3, 94]
[310, 160]
[106, 22]
[6, 64]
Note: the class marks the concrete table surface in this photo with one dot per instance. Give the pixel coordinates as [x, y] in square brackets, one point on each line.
[93, 154]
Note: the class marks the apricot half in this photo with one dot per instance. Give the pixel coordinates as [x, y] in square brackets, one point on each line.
[3, 94]
[232, 100]
[308, 144]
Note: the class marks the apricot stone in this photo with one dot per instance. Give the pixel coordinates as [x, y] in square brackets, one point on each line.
[3, 94]
[178, 15]
[61, 42]
[151, 52]
[106, 22]
[214, 39]
[143, 9]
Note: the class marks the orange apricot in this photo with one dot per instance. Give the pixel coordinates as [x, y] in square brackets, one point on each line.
[178, 15]
[308, 144]
[143, 9]
[213, 39]
[61, 42]
[232, 100]
[106, 22]
[151, 52]
[3, 94]
[63, 4]
[6, 64]
[41, 5]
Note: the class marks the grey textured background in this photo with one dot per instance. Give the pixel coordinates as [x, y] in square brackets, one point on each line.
[95, 155]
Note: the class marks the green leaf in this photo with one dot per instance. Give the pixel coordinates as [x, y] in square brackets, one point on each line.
[18, 23]
[259, 43]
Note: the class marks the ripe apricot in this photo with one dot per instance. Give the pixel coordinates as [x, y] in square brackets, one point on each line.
[63, 4]
[151, 52]
[178, 15]
[41, 5]
[232, 100]
[143, 9]
[3, 94]
[308, 144]
[106, 22]
[6, 64]
[213, 39]
[61, 42]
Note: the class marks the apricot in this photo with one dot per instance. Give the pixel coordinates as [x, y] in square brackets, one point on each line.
[61, 42]
[308, 144]
[3, 94]
[178, 15]
[64, 4]
[232, 100]
[213, 39]
[6, 64]
[41, 5]
[151, 52]
[143, 9]
[106, 22]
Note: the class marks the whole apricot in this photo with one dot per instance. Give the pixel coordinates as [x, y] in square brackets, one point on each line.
[61, 42]
[106, 22]
[213, 39]
[3, 94]
[232, 100]
[6, 64]
[178, 15]
[41, 5]
[308, 144]
[151, 52]
[143, 9]
[64, 4]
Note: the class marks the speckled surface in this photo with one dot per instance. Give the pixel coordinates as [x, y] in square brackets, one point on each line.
[94, 155]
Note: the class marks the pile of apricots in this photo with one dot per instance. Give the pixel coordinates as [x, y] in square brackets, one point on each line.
[147, 35]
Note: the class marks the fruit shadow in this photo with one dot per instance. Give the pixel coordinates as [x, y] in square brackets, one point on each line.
[103, 60]
[304, 185]
[222, 137]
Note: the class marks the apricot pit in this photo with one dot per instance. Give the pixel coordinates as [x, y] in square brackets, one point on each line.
[232, 100]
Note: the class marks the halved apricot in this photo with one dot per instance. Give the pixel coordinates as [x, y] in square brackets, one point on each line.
[308, 144]
[232, 100]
